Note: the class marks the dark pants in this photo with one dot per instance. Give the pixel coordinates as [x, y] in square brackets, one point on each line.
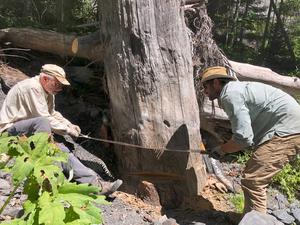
[81, 173]
[30, 126]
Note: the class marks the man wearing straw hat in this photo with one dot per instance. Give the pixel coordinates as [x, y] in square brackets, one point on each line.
[29, 108]
[262, 117]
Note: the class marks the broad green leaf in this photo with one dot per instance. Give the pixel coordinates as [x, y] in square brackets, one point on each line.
[15, 149]
[52, 173]
[71, 215]
[5, 141]
[78, 222]
[90, 212]
[44, 199]
[81, 222]
[31, 188]
[52, 213]
[46, 171]
[28, 207]
[39, 144]
[100, 199]
[4, 145]
[25, 146]
[44, 160]
[2, 164]
[61, 156]
[15, 222]
[21, 169]
[74, 199]
[32, 218]
[77, 188]
[4, 135]
[37, 159]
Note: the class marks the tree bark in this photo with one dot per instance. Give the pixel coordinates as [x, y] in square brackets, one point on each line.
[153, 102]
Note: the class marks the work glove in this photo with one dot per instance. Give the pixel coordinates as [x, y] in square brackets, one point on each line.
[216, 153]
[73, 130]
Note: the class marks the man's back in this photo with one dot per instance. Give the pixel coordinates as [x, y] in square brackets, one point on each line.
[271, 111]
[18, 102]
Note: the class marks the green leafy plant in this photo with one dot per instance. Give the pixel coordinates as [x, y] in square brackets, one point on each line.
[34, 162]
[238, 201]
[289, 179]
[243, 156]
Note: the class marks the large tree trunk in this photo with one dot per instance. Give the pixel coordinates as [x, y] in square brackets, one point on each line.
[150, 79]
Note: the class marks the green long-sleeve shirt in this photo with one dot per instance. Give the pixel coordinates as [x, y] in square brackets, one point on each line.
[258, 111]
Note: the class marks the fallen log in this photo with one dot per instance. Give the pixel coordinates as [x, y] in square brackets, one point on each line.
[87, 46]
[91, 47]
[250, 72]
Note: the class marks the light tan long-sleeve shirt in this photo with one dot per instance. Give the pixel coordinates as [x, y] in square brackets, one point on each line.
[27, 99]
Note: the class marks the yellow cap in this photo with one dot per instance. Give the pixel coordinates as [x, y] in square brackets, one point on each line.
[215, 72]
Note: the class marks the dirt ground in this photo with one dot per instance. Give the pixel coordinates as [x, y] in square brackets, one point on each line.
[128, 209]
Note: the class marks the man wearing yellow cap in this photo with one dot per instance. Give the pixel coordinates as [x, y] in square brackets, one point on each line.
[29, 108]
[262, 117]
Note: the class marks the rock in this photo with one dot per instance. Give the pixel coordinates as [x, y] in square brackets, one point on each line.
[165, 221]
[4, 187]
[276, 200]
[295, 204]
[272, 203]
[296, 214]
[170, 221]
[2, 200]
[13, 212]
[283, 216]
[148, 193]
[282, 201]
[255, 217]
[4, 175]
[160, 220]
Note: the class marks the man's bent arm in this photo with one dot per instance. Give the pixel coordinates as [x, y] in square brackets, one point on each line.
[231, 146]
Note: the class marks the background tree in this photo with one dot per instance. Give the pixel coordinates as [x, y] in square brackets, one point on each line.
[262, 32]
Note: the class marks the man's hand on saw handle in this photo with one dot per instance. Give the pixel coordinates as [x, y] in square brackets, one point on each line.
[216, 152]
[73, 130]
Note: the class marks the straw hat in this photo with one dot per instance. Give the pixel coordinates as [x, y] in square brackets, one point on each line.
[215, 72]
